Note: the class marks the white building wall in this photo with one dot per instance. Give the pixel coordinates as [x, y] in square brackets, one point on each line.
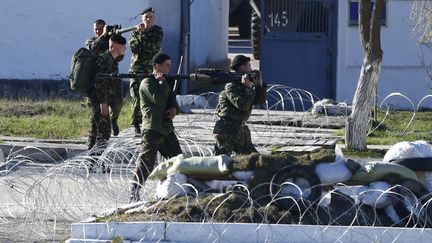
[402, 70]
[209, 32]
[38, 38]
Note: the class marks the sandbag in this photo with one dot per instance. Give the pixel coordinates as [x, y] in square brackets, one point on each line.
[242, 175]
[407, 150]
[331, 108]
[377, 195]
[332, 173]
[202, 167]
[376, 170]
[212, 166]
[160, 172]
[172, 186]
[220, 185]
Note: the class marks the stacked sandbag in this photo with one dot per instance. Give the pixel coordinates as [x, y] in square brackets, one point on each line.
[331, 108]
[408, 150]
[334, 172]
[378, 170]
[416, 156]
[199, 167]
[174, 185]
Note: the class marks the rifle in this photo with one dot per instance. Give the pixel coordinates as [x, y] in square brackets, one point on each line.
[117, 29]
[203, 75]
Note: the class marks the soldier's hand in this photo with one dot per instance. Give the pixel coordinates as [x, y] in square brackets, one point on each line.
[171, 113]
[258, 79]
[104, 110]
[105, 30]
[159, 76]
[141, 27]
[246, 81]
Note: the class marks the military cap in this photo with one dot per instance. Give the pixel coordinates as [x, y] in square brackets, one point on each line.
[238, 61]
[150, 9]
[118, 39]
[160, 58]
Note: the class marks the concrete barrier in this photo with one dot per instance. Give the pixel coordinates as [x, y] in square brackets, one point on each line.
[241, 232]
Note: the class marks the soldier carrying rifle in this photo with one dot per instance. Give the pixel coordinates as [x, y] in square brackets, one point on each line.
[158, 107]
[145, 42]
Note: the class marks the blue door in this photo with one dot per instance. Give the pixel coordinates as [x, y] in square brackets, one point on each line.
[298, 44]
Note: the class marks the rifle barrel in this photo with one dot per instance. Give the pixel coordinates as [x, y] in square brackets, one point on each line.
[199, 77]
[139, 75]
[124, 30]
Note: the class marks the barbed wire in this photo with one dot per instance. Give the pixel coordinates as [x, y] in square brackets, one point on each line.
[41, 199]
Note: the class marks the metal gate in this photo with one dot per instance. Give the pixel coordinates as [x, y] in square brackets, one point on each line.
[298, 44]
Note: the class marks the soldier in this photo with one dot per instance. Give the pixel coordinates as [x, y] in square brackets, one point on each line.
[106, 93]
[235, 106]
[145, 42]
[99, 44]
[158, 110]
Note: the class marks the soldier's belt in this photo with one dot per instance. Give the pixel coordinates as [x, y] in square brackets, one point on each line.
[233, 121]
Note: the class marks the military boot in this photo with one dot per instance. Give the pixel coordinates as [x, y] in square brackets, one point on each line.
[115, 127]
[135, 195]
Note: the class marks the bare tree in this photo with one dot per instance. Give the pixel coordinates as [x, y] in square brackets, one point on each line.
[421, 14]
[370, 35]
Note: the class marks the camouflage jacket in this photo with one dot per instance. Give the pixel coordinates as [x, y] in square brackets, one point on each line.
[143, 47]
[156, 98]
[236, 101]
[106, 88]
[97, 45]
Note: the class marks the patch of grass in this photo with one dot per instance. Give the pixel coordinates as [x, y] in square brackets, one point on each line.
[392, 127]
[364, 154]
[53, 119]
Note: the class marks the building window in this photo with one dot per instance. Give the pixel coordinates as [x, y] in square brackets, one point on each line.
[353, 18]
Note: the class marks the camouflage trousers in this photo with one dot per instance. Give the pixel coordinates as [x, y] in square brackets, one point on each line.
[151, 143]
[100, 130]
[115, 104]
[232, 137]
[136, 102]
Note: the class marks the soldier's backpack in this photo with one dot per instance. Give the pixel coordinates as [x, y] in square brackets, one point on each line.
[83, 70]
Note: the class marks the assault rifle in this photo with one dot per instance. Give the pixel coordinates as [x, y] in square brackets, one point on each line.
[117, 29]
[203, 75]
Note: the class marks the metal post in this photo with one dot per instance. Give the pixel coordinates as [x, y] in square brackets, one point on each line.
[186, 43]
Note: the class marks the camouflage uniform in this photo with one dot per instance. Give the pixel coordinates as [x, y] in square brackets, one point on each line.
[143, 47]
[98, 45]
[235, 106]
[158, 130]
[108, 91]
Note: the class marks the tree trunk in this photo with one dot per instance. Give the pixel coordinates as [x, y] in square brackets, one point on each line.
[357, 123]
[370, 35]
